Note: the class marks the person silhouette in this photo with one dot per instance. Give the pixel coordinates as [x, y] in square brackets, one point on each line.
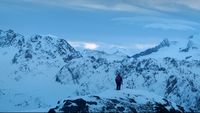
[118, 81]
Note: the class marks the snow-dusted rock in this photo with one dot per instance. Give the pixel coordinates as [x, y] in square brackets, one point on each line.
[118, 101]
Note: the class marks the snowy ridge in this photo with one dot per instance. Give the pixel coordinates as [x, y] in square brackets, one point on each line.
[164, 43]
[187, 48]
[101, 54]
[118, 101]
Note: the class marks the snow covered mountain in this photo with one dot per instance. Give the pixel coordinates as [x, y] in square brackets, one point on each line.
[186, 48]
[166, 75]
[164, 43]
[28, 66]
[38, 71]
[169, 78]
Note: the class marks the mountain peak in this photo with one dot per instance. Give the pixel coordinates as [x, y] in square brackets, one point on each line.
[193, 43]
[164, 43]
[10, 38]
[37, 47]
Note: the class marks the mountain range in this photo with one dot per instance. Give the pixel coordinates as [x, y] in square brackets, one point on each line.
[42, 73]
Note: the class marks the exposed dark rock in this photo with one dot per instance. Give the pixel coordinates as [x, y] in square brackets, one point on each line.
[171, 84]
[52, 111]
[91, 103]
[78, 105]
[188, 57]
[121, 109]
[116, 105]
[164, 43]
[133, 110]
[159, 108]
[115, 101]
[28, 54]
[132, 100]
[181, 109]
[97, 97]
[110, 106]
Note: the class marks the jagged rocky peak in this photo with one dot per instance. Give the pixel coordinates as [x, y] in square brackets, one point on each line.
[38, 47]
[164, 43]
[10, 38]
[97, 53]
[56, 45]
[35, 38]
[193, 43]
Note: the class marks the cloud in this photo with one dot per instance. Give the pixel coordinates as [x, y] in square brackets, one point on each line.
[105, 5]
[90, 46]
[107, 46]
[192, 4]
[137, 6]
[166, 23]
[169, 26]
[85, 45]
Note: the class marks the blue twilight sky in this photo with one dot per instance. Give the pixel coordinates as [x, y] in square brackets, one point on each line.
[135, 24]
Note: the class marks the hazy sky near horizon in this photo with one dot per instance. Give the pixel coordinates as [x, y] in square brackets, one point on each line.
[125, 23]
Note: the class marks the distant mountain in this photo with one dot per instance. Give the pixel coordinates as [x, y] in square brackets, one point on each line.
[101, 54]
[183, 49]
[164, 43]
[192, 43]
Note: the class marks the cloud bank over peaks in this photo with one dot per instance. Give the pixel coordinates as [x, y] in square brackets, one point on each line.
[111, 48]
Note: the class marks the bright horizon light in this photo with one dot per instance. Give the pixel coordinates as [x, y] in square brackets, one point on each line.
[90, 46]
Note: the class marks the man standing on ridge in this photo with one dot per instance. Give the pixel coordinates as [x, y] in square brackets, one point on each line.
[118, 81]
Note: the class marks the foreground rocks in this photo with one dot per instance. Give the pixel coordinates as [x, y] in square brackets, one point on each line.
[119, 102]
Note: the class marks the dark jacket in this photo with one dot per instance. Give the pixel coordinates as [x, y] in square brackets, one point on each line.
[118, 79]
